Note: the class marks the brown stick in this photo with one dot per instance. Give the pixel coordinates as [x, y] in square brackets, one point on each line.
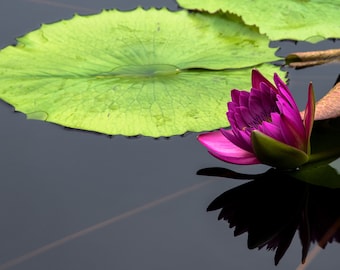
[305, 59]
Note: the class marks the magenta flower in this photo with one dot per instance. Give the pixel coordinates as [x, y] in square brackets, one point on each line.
[266, 126]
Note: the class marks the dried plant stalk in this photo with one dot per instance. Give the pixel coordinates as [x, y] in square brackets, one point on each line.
[306, 59]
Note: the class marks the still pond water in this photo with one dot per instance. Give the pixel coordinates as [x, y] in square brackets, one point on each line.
[78, 200]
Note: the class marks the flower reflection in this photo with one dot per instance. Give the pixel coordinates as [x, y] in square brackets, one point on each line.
[272, 211]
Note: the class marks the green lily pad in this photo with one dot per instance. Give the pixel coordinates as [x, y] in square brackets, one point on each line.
[161, 106]
[310, 20]
[146, 72]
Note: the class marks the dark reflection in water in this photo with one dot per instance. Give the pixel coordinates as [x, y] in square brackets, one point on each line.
[276, 205]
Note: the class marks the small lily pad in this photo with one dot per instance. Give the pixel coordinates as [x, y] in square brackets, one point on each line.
[150, 72]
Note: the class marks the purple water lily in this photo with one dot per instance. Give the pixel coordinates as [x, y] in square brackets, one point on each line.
[266, 126]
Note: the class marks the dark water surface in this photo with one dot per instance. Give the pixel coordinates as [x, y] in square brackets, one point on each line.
[78, 200]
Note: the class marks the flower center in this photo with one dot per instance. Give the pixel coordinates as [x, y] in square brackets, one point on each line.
[259, 118]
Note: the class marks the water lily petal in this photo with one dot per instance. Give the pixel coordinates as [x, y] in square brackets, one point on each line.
[235, 96]
[284, 92]
[282, 129]
[243, 98]
[248, 117]
[236, 119]
[261, 103]
[241, 138]
[255, 101]
[257, 78]
[272, 129]
[294, 136]
[275, 153]
[293, 128]
[308, 118]
[220, 147]
[289, 112]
